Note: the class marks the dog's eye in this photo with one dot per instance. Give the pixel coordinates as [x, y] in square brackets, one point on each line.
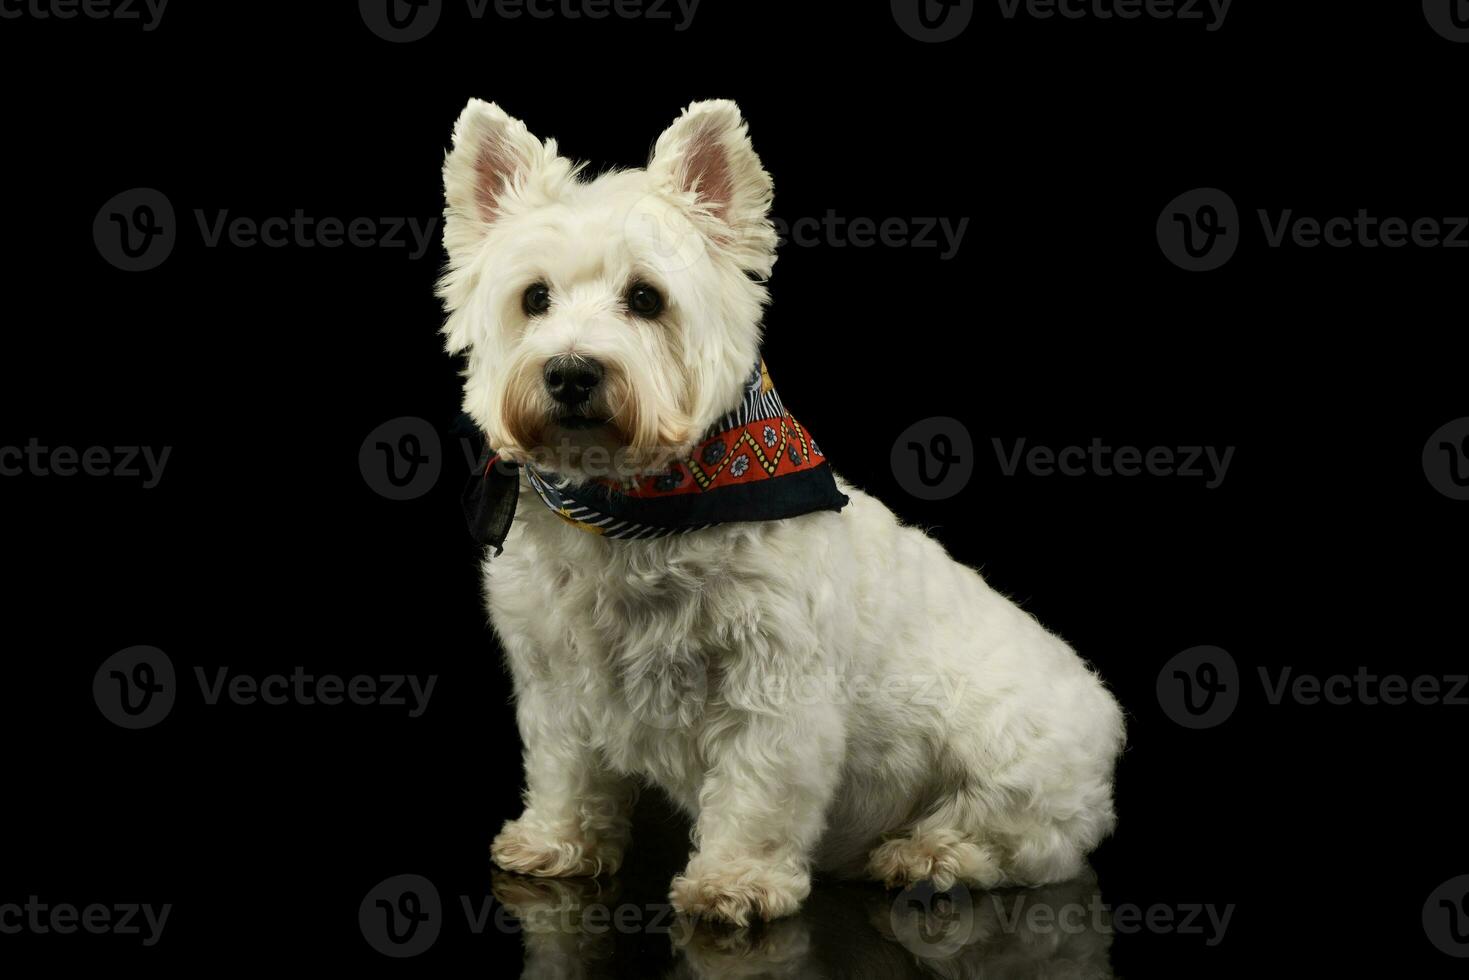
[537, 299]
[644, 300]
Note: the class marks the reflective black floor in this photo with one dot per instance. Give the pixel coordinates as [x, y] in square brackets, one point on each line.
[584, 928]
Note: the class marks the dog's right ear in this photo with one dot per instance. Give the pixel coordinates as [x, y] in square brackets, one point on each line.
[494, 166]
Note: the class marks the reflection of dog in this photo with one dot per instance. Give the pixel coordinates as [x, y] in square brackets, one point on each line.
[573, 927]
[1058, 931]
[827, 689]
[553, 916]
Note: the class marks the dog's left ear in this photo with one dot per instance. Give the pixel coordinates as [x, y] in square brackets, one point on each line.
[705, 162]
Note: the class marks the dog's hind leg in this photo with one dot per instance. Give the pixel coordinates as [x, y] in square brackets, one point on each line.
[1005, 840]
[944, 847]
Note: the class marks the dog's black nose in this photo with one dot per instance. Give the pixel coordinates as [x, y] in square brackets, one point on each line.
[571, 380]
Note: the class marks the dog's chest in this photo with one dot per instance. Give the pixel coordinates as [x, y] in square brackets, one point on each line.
[634, 640]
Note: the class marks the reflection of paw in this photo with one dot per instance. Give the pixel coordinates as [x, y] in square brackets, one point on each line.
[521, 894]
[534, 850]
[780, 950]
[738, 891]
[943, 857]
[543, 905]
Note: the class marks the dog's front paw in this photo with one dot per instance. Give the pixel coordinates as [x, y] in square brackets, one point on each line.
[739, 890]
[530, 849]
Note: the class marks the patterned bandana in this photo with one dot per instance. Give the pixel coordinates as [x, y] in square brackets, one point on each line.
[757, 463]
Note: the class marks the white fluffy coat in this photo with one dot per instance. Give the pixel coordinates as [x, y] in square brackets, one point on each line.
[831, 692]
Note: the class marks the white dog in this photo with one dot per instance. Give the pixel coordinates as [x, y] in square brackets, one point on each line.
[828, 690]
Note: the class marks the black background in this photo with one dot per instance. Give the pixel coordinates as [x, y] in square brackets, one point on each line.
[263, 547]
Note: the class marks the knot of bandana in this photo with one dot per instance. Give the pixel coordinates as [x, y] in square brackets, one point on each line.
[757, 463]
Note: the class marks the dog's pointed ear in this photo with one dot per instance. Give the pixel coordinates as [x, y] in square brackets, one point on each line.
[705, 162]
[494, 165]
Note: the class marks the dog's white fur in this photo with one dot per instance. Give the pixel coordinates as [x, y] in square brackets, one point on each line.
[831, 691]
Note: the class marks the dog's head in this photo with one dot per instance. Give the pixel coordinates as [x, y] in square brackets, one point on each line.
[606, 322]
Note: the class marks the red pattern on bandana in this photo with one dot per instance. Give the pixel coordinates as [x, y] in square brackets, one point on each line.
[764, 449]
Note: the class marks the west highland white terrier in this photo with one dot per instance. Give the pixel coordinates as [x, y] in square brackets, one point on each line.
[688, 597]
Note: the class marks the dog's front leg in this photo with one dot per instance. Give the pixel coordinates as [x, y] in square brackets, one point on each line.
[577, 813]
[762, 809]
